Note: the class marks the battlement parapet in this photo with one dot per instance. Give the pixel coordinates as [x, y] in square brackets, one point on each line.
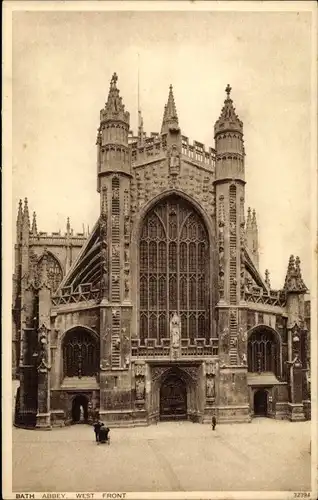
[59, 235]
[198, 152]
[156, 144]
[153, 348]
[151, 147]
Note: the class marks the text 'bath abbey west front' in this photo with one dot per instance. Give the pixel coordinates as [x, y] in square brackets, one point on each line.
[161, 311]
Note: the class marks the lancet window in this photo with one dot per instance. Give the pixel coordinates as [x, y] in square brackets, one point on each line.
[174, 271]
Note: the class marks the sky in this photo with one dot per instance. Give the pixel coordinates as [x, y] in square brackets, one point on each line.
[62, 63]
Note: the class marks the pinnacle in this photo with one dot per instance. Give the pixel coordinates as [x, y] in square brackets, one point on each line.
[114, 108]
[26, 216]
[249, 218]
[34, 225]
[254, 223]
[267, 278]
[228, 117]
[20, 212]
[170, 115]
[294, 281]
[171, 107]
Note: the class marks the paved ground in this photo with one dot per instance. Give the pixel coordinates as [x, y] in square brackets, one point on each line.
[263, 455]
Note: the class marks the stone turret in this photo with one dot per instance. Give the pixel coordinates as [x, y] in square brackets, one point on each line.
[228, 133]
[112, 137]
[295, 289]
[230, 221]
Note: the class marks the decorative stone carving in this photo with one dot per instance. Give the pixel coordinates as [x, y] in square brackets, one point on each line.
[42, 354]
[192, 371]
[174, 161]
[127, 226]
[244, 360]
[126, 255]
[107, 332]
[232, 228]
[127, 361]
[115, 193]
[127, 286]
[157, 371]
[115, 313]
[115, 250]
[104, 288]
[140, 389]
[233, 314]
[175, 330]
[140, 370]
[221, 211]
[225, 333]
[104, 207]
[210, 387]
[126, 203]
[242, 216]
[211, 367]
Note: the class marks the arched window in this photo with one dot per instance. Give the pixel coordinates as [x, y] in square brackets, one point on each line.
[54, 271]
[174, 271]
[80, 353]
[263, 352]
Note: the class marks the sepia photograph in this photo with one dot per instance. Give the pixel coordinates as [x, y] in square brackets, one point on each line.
[160, 281]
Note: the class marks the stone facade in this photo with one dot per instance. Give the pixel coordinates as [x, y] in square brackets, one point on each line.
[161, 312]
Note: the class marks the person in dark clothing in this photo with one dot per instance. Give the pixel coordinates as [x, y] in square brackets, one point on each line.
[97, 428]
[213, 422]
[103, 435]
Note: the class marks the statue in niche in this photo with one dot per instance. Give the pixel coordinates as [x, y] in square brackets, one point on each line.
[233, 253]
[244, 359]
[175, 330]
[174, 158]
[116, 250]
[210, 387]
[127, 225]
[232, 203]
[126, 255]
[126, 286]
[140, 388]
[221, 256]
[232, 227]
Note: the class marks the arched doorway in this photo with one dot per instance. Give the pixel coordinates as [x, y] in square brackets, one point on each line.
[173, 398]
[260, 403]
[174, 271]
[80, 409]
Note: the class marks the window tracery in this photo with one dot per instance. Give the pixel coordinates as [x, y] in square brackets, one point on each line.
[54, 271]
[263, 352]
[174, 275]
[80, 354]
